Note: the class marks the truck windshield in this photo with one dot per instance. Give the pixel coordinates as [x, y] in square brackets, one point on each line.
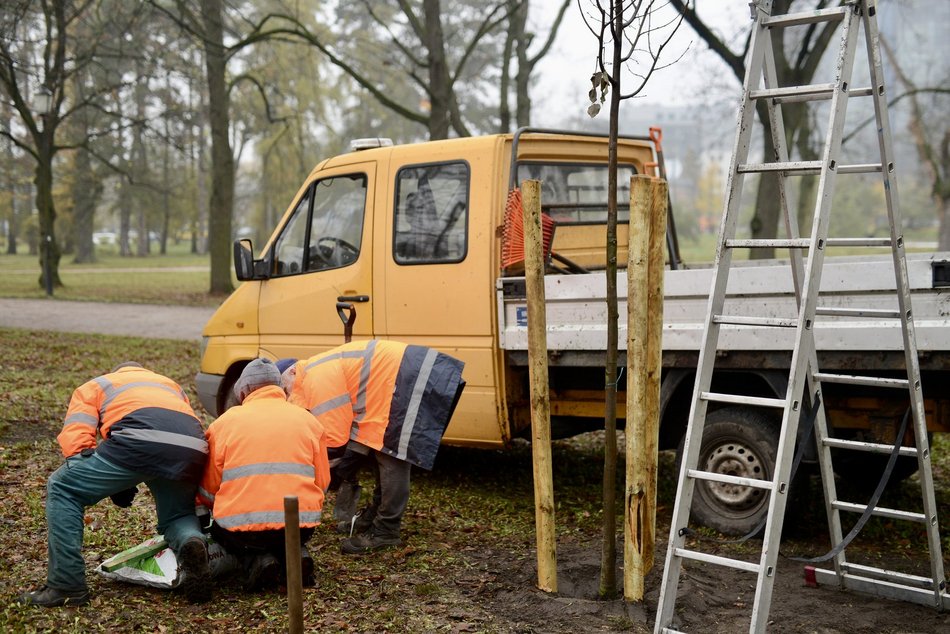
[576, 193]
[325, 230]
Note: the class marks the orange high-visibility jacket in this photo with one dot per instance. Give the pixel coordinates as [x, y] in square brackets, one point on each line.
[145, 420]
[261, 451]
[386, 395]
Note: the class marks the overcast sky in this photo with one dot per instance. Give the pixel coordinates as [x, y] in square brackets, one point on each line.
[564, 74]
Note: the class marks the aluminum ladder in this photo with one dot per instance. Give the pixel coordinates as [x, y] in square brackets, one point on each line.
[806, 273]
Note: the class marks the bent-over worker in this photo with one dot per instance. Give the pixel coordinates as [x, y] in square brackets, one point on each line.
[383, 398]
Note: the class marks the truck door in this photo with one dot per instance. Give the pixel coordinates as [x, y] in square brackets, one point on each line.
[434, 284]
[322, 255]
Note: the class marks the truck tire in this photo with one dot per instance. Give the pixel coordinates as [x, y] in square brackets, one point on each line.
[736, 441]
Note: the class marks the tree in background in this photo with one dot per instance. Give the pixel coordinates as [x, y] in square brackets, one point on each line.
[630, 35]
[931, 134]
[40, 55]
[797, 56]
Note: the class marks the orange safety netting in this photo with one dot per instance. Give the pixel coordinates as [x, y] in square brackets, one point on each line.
[512, 236]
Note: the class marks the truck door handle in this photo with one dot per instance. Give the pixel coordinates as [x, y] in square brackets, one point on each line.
[353, 298]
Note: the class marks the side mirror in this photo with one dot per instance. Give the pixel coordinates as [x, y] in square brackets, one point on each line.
[243, 260]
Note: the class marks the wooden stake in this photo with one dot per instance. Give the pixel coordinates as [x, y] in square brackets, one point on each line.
[294, 573]
[644, 362]
[538, 388]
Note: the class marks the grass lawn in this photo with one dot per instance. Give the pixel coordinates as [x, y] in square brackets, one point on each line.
[469, 560]
[178, 278]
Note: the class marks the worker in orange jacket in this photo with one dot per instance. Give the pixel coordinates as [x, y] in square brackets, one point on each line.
[385, 399]
[149, 434]
[259, 452]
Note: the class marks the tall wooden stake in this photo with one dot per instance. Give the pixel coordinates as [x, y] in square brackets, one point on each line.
[538, 389]
[294, 572]
[644, 362]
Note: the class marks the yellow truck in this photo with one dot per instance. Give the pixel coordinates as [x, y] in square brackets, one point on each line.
[405, 243]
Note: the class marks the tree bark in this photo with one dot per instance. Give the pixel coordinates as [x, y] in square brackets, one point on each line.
[222, 159]
[440, 87]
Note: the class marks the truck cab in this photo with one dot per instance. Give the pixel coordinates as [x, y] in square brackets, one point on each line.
[404, 242]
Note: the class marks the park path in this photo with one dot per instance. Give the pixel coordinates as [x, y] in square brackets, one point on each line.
[134, 320]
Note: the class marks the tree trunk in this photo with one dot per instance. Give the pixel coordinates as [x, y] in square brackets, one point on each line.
[440, 97]
[523, 77]
[48, 247]
[608, 565]
[86, 191]
[222, 159]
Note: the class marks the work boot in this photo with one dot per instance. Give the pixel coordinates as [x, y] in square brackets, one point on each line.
[369, 542]
[195, 570]
[264, 572]
[362, 522]
[52, 598]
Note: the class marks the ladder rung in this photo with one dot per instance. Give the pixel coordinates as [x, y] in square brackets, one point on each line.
[859, 168]
[716, 560]
[805, 168]
[794, 167]
[777, 243]
[876, 381]
[896, 586]
[806, 17]
[739, 320]
[888, 575]
[811, 92]
[729, 479]
[872, 313]
[895, 514]
[743, 400]
[869, 447]
[858, 242]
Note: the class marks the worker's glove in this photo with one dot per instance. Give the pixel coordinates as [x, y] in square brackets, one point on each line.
[123, 499]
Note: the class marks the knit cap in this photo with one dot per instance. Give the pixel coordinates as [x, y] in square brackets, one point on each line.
[257, 374]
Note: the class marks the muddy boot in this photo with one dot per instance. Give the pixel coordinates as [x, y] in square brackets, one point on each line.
[196, 571]
[369, 542]
[344, 508]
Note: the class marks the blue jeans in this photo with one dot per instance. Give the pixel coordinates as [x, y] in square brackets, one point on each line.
[83, 481]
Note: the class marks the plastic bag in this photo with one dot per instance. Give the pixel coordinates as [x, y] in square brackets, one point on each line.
[152, 563]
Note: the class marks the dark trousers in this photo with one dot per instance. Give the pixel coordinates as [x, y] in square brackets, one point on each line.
[391, 493]
[248, 544]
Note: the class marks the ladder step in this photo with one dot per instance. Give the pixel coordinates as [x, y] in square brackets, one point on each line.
[711, 476]
[894, 514]
[736, 399]
[793, 167]
[805, 168]
[896, 586]
[777, 243]
[858, 242]
[739, 320]
[811, 92]
[872, 313]
[849, 379]
[869, 447]
[884, 574]
[716, 560]
[806, 17]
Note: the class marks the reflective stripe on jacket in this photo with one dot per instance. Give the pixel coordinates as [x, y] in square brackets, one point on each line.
[401, 397]
[145, 420]
[261, 451]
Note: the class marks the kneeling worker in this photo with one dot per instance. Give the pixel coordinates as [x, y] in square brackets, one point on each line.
[260, 451]
[383, 398]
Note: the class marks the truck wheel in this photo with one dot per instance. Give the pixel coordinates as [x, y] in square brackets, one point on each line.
[740, 442]
[230, 400]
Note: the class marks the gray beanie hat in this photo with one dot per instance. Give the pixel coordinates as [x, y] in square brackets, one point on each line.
[257, 374]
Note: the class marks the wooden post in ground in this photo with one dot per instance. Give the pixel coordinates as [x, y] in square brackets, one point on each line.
[294, 573]
[644, 361]
[538, 386]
